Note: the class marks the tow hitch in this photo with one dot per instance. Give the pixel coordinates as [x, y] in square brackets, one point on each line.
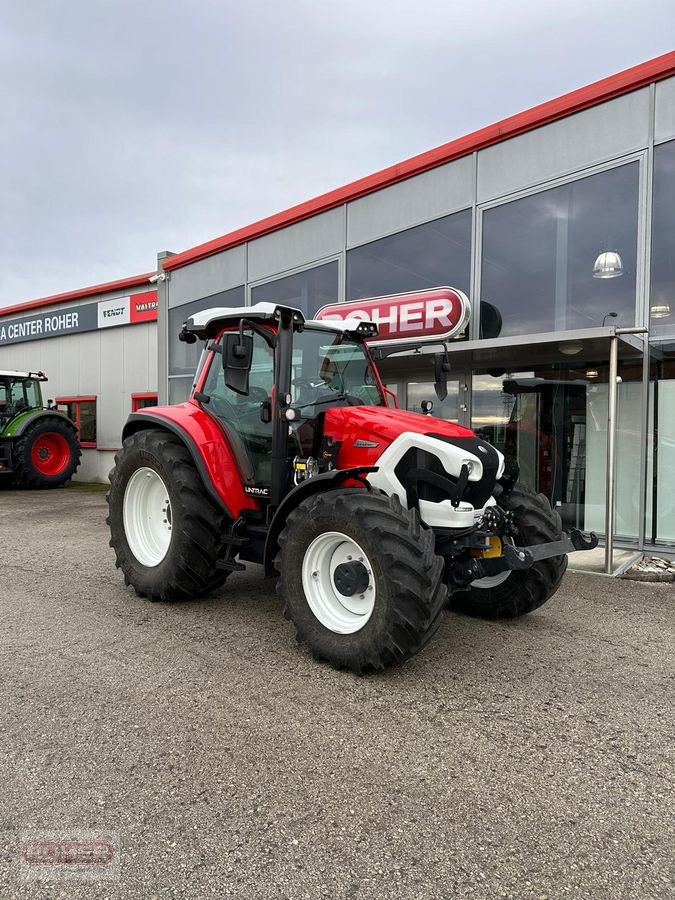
[515, 558]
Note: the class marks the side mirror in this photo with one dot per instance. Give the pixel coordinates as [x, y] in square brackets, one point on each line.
[237, 359]
[441, 369]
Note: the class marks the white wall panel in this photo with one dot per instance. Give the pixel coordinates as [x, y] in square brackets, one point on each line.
[305, 242]
[89, 376]
[431, 195]
[612, 129]
[664, 121]
[208, 276]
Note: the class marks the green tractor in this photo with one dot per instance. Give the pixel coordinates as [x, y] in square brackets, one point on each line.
[39, 447]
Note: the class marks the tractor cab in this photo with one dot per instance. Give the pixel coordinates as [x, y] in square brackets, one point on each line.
[317, 366]
[19, 391]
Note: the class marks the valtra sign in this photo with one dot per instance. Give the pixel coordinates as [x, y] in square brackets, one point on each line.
[428, 316]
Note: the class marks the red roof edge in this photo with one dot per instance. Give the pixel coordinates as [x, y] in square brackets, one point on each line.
[94, 290]
[607, 88]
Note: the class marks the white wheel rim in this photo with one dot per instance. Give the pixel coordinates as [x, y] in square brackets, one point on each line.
[491, 581]
[147, 517]
[341, 613]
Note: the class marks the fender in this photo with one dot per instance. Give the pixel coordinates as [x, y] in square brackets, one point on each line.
[208, 447]
[318, 484]
[24, 420]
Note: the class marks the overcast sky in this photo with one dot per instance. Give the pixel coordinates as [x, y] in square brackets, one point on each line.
[133, 127]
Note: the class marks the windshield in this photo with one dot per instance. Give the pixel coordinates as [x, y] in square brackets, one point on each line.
[17, 394]
[332, 368]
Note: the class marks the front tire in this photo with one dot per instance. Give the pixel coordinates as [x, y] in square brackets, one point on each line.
[360, 579]
[47, 454]
[166, 531]
[513, 594]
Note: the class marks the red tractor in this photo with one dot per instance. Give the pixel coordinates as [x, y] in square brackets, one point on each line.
[287, 455]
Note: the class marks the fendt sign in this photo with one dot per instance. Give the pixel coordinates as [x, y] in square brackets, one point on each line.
[418, 317]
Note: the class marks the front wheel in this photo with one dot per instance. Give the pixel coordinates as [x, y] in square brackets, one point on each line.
[165, 529]
[360, 579]
[513, 594]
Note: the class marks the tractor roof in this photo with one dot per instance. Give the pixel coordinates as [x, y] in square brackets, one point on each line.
[13, 374]
[224, 315]
[209, 321]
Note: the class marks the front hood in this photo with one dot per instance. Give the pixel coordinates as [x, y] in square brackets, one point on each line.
[387, 424]
[365, 432]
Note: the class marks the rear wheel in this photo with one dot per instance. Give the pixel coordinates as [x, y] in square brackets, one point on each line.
[47, 454]
[166, 531]
[512, 594]
[360, 579]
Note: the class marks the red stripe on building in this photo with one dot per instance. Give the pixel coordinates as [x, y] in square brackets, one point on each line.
[599, 92]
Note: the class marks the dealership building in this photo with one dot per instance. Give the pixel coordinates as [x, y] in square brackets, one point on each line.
[98, 347]
[559, 226]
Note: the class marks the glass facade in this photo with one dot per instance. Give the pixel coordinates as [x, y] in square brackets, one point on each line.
[308, 290]
[430, 255]
[660, 517]
[576, 251]
[662, 294]
[183, 358]
[545, 264]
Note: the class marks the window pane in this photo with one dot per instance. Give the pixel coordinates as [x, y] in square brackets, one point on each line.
[540, 253]
[430, 255]
[448, 409]
[144, 402]
[88, 421]
[179, 389]
[660, 523]
[308, 290]
[249, 435]
[183, 358]
[662, 299]
[330, 368]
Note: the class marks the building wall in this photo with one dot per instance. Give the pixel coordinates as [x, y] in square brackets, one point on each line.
[518, 225]
[110, 364]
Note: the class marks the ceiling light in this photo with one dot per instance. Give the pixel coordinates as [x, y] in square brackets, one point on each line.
[608, 265]
[591, 373]
[570, 349]
[660, 311]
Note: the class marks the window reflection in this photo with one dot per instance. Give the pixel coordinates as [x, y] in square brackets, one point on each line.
[430, 255]
[662, 296]
[539, 255]
[307, 291]
[660, 524]
[183, 358]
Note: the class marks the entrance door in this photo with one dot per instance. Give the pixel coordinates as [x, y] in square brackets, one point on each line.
[455, 407]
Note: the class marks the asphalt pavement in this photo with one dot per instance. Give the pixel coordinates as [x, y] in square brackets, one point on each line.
[528, 759]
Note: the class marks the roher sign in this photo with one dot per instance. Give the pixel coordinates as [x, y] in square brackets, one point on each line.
[437, 314]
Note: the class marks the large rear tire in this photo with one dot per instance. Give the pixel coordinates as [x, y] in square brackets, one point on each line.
[166, 531]
[514, 594]
[360, 579]
[47, 454]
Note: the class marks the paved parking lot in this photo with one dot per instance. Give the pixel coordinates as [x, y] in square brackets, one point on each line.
[529, 759]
